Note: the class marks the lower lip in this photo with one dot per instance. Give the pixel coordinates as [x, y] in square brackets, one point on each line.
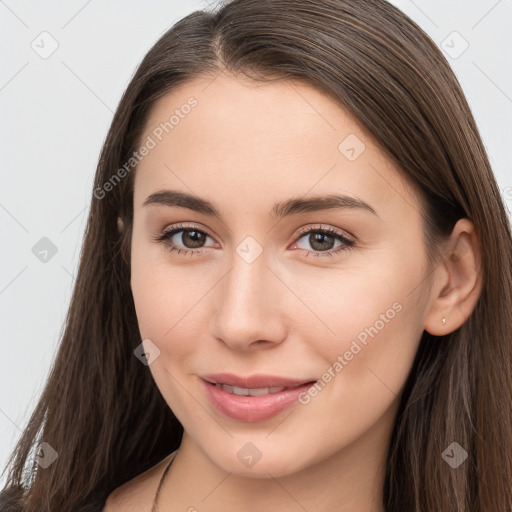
[252, 408]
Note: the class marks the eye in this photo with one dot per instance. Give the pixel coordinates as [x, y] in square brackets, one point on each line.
[322, 241]
[190, 240]
[189, 237]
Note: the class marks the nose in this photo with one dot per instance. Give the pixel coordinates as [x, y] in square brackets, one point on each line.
[250, 306]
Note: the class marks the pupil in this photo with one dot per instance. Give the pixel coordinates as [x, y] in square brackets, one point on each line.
[195, 237]
[318, 238]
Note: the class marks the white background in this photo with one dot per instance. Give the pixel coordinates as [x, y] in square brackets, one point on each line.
[55, 113]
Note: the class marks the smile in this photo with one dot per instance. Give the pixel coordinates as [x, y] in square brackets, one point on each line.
[235, 390]
[252, 399]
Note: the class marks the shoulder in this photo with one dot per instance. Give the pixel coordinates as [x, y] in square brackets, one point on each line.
[138, 493]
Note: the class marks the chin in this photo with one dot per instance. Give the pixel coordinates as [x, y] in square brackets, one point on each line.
[251, 462]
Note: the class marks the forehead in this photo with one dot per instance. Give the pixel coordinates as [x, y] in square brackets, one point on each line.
[246, 112]
[252, 140]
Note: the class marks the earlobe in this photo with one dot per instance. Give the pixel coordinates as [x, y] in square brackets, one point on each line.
[455, 296]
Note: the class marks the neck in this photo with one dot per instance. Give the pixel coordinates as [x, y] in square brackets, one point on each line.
[348, 480]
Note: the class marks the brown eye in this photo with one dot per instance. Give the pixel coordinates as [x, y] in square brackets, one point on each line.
[322, 242]
[184, 240]
[191, 238]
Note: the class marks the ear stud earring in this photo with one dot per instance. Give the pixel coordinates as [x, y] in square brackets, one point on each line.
[120, 225]
[443, 321]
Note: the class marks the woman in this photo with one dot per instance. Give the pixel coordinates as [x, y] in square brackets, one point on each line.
[295, 285]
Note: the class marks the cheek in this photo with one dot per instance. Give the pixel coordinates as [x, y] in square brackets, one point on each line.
[151, 287]
[366, 368]
[170, 301]
[162, 304]
[164, 307]
[375, 312]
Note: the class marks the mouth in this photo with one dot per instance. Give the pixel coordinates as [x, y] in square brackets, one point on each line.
[236, 390]
[255, 398]
[273, 383]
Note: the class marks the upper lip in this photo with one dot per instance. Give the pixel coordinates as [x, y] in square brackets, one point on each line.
[254, 381]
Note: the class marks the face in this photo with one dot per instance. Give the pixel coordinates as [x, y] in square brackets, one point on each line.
[328, 293]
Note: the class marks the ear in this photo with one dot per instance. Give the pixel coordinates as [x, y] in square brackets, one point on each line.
[458, 281]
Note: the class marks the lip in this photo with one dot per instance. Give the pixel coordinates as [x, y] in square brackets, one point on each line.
[251, 409]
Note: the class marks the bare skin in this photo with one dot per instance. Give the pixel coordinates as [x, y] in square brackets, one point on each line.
[245, 147]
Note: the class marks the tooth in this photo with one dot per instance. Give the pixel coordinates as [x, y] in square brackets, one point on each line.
[258, 391]
[240, 391]
[276, 389]
[235, 390]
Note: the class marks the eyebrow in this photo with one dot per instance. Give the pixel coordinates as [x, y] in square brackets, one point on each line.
[282, 209]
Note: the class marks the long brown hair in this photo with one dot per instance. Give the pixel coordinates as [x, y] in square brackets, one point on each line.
[100, 408]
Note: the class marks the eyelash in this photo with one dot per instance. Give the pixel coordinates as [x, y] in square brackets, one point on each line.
[170, 246]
